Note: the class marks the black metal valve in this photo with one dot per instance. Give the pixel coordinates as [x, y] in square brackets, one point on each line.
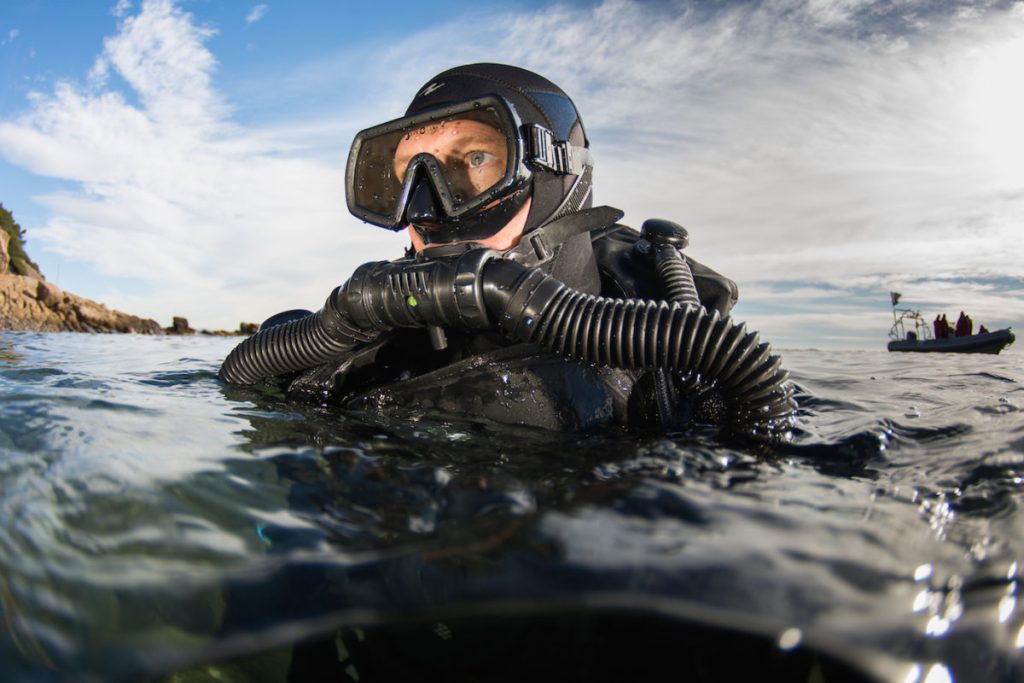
[664, 241]
[660, 232]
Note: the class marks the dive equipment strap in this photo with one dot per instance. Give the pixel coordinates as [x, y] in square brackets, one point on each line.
[554, 155]
[541, 245]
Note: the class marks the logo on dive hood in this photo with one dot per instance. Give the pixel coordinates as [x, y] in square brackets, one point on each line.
[433, 87]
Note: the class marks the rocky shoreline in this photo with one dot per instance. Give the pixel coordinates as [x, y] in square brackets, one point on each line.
[30, 302]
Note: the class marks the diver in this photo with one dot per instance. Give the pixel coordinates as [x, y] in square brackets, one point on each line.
[518, 301]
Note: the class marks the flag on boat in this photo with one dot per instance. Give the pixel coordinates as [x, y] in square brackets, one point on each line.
[895, 296]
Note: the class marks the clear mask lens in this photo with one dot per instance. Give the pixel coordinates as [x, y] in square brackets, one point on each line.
[468, 155]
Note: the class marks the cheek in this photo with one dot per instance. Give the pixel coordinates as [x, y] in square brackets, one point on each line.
[417, 241]
[483, 178]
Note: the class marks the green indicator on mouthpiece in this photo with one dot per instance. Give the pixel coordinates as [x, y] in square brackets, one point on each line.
[411, 301]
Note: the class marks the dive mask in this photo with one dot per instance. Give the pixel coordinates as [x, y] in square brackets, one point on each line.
[457, 172]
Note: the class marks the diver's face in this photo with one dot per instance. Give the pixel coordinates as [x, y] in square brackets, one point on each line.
[474, 156]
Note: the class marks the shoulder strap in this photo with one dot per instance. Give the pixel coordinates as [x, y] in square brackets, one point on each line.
[541, 245]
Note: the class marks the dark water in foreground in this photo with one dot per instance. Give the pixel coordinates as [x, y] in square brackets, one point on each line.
[155, 525]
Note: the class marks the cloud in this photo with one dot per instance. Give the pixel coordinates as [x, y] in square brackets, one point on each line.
[843, 147]
[121, 8]
[257, 13]
[216, 222]
[11, 35]
[829, 141]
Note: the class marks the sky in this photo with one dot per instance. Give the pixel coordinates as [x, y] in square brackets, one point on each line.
[186, 157]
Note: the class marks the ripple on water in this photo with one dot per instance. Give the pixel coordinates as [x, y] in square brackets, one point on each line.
[151, 512]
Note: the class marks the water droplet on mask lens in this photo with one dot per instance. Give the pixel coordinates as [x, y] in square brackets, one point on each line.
[376, 196]
[457, 199]
[423, 131]
[790, 638]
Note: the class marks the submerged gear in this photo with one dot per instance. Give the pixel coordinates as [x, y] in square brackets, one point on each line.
[480, 291]
[409, 171]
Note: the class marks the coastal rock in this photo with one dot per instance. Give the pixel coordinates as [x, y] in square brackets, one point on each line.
[29, 302]
[179, 325]
[49, 295]
[32, 303]
[244, 330]
[31, 272]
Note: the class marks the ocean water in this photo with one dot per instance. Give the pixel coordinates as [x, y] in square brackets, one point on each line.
[157, 525]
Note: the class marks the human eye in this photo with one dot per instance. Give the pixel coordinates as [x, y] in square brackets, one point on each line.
[479, 159]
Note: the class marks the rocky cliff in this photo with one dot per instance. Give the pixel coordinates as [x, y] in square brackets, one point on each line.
[29, 302]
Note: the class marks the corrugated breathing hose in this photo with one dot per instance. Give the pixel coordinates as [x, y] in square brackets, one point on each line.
[480, 290]
[297, 345]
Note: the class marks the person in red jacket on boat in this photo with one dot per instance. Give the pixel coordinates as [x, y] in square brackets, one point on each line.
[964, 325]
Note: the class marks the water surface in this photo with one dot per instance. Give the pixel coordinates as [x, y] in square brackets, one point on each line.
[158, 525]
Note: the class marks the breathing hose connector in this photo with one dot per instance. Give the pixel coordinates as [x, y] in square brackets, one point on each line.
[444, 292]
[380, 295]
[665, 241]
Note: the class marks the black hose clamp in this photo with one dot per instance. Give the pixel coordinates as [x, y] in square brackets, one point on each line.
[469, 291]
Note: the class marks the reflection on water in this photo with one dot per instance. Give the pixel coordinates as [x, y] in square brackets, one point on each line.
[8, 356]
[156, 521]
[19, 635]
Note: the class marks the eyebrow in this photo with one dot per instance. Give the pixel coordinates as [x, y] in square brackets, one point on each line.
[470, 140]
[475, 138]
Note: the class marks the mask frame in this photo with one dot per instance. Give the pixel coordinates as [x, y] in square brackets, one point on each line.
[515, 176]
[530, 147]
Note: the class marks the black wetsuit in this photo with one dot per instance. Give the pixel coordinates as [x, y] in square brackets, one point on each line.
[482, 375]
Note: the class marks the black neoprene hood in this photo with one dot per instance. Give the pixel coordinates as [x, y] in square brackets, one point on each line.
[537, 101]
